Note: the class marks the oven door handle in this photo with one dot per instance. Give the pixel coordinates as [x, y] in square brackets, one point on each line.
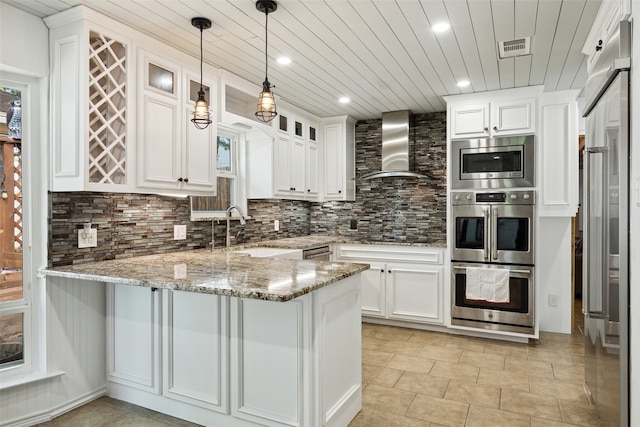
[494, 234]
[487, 233]
[516, 271]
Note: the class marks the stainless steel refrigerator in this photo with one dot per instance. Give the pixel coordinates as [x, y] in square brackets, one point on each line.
[606, 229]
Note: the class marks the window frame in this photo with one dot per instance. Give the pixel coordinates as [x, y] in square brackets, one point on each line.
[237, 168]
[34, 222]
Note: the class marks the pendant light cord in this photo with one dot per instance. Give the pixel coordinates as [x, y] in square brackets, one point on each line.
[266, 45]
[201, 58]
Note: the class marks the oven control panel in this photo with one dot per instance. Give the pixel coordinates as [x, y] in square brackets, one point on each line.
[494, 197]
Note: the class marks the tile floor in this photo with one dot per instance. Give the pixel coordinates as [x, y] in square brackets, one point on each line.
[420, 378]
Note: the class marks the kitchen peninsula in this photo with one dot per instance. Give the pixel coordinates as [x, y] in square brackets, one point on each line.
[220, 338]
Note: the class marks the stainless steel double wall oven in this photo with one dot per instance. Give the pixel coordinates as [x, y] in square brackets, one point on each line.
[494, 227]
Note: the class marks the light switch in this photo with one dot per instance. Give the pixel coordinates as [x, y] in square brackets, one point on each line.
[87, 237]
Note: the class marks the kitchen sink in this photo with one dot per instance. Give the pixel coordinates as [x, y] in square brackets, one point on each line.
[271, 253]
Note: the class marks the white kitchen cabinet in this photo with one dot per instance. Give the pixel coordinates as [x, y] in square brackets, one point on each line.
[286, 164]
[133, 337]
[339, 158]
[403, 283]
[173, 155]
[92, 103]
[195, 361]
[492, 119]
[558, 151]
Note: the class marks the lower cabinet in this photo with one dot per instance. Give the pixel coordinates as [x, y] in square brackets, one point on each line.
[217, 360]
[403, 283]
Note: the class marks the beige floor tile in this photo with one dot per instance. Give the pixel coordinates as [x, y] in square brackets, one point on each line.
[437, 410]
[455, 370]
[551, 356]
[423, 384]
[369, 373]
[466, 343]
[517, 350]
[465, 391]
[410, 363]
[483, 360]
[504, 379]
[541, 422]
[561, 389]
[360, 420]
[386, 399]
[482, 416]
[372, 343]
[383, 419]
[427, 337]
[578, 359]
[535, 368]
[581, 414]
[403, 347]
[441, 353]
[546, 407]
[570, 374]
[387, 377]
[376, 357]
[393, 333]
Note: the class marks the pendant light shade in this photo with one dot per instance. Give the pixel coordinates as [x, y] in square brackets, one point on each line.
[201, 116]
[266, 110]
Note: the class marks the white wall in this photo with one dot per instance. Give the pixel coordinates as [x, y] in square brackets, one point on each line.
[634, 222]
[553, 274]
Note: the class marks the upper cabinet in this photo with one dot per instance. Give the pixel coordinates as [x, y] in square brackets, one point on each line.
[558, 146]
[92, 98]
[490, 119]
[173, 155]
[339, 158]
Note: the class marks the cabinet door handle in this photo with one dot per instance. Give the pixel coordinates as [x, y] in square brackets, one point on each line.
[389, 271]
[180, 180]
[486, 129]
[186, 180]
[309, 190]
[495, 128]
[154, 289]
[599, 47]
[339, 191]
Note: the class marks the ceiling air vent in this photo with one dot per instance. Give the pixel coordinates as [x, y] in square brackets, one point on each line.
[513, 48]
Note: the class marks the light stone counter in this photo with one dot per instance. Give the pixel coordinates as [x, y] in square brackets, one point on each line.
[218, 272]
[314, 240]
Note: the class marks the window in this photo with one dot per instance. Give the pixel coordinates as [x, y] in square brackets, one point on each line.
[12, 308]
[228, 182]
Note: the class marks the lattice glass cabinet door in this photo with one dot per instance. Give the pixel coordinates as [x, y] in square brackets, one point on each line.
[107, 110]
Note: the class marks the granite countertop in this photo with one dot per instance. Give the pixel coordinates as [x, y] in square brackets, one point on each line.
[215, 272]
[314, 241]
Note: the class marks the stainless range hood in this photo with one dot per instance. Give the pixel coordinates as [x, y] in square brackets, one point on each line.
[395, 148]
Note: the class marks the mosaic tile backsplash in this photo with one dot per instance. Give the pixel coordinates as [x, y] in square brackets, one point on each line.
[386, 210]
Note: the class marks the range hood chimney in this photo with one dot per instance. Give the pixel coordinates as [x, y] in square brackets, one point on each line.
[395, 148]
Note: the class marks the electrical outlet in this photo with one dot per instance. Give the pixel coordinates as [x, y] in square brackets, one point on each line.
[179, 232]
[553, 300]
[87, 237]
[276, 225]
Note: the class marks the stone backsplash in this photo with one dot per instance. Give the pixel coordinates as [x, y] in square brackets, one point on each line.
[394, 209]
[387, 210]
[141, 224]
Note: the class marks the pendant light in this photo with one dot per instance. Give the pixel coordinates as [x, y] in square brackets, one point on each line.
[266, 110]
[201, 117]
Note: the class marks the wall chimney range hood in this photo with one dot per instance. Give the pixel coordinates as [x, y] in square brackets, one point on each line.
[395, 148]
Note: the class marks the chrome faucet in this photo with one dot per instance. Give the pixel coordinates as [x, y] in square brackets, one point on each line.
[242, 221]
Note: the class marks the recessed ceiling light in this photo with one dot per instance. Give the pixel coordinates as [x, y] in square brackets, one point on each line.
[441, 27]
[463, 83]
[283, 60]
[344, 100]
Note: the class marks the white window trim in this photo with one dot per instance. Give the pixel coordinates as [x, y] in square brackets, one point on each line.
[239, 190]
[34, 244]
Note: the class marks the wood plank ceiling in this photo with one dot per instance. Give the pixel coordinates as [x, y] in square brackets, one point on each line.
[382, 54]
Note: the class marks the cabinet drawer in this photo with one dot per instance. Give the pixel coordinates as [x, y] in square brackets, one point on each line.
[390, 253]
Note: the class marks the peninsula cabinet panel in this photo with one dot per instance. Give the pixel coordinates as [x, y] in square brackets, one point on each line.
[373, 295]
[133, 337]
[195, 349]
[269, 357]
